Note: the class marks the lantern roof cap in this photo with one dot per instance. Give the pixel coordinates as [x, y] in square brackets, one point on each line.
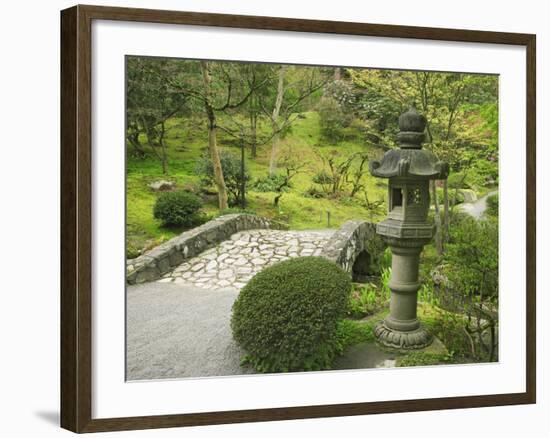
[415, 163]
[410, 160]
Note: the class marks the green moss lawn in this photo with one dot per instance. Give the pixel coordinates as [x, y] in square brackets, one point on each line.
[187, 140]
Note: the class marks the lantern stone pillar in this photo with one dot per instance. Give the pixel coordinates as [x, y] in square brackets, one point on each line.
[407, 229]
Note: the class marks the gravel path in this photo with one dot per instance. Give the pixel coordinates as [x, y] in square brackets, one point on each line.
[235, 261]
[175, 331]
[476, 209]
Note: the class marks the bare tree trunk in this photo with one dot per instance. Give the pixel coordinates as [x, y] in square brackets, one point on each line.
[437, 219]
[150, 135]
[446, 218]
[274, 150]
[218, 171]
[164, 155]
[132, 135]
[253, 134]
[133, 139]
[212, 145]
[274, 120]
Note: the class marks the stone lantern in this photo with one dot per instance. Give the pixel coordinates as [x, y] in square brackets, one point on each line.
[409, 170]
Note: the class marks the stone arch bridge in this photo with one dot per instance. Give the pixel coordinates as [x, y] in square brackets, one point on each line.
[227, 251]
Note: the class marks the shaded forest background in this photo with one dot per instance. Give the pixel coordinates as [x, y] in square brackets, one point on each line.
[307, 134]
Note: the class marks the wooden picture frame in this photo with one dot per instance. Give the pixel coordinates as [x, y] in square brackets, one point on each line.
[76, 218]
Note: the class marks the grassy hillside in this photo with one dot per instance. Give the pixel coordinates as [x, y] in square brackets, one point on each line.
[186, 142]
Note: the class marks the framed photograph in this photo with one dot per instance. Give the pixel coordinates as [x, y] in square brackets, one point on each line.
[270, 218]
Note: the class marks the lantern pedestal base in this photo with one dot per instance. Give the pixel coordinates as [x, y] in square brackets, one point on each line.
[402, 340]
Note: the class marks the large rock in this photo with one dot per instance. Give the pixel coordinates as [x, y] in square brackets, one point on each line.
[162, 186]
[468, 195]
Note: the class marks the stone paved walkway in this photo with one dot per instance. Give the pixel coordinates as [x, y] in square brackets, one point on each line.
[234, 262]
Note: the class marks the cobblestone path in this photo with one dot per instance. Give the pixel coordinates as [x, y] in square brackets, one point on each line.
[234, 262]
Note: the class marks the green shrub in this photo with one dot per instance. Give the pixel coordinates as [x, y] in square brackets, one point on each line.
[384, 262]
[350, 332]
[315, 193]
[333, 120]
[177, 209]
[421, 358]
[232, 174]
[458, 180]
[427, 294]
[322, 177]
[385, 277]
[471, 257]
[483, 173]
[366, 299]
[455, 196]
[492, 205]
[270, 183]
[132, 251]
[449, 328]
[286, 317]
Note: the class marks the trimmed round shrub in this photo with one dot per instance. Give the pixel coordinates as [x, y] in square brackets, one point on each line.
[178, 209]
[286, 317]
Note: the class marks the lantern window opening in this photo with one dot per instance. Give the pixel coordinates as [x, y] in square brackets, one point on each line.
[414, 196]
[397, 197]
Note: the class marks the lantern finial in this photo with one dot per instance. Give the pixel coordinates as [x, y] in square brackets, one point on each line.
[411, 126]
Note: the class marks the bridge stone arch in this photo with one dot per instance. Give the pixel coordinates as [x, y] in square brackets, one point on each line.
[356, 248]
[165, 257]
